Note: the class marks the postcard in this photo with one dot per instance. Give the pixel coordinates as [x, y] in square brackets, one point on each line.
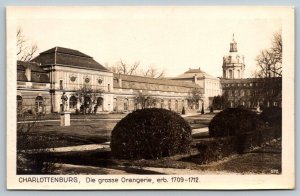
[156, 97]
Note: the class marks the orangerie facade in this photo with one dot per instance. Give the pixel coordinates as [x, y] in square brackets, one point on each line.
[41, 83]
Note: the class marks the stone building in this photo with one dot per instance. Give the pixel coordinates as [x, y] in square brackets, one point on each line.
[70, 70]
[211, 85]
[163, 93]
[42, 82]
[253, 92]
[249, 92]
[32, 88]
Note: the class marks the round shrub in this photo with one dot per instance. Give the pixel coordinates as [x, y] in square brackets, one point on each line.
[150, 133]
[234, 121]
[272, 115]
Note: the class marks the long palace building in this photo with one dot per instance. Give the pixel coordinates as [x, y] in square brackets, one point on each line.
[42, 81]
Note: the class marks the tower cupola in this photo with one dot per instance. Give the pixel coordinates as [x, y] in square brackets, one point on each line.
[233, 45]
[233, 63]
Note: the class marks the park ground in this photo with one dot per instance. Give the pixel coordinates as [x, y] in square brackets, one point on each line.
[83, 148]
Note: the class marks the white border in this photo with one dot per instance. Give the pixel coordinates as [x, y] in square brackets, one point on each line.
[284, 181]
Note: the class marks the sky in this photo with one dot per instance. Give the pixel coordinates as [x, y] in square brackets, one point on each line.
[172, 39]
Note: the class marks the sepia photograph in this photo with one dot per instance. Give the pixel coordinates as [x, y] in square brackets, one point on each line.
[172, 97]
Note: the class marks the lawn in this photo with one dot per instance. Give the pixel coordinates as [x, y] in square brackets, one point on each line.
[89, 130]
[262, 160]
[48, 134]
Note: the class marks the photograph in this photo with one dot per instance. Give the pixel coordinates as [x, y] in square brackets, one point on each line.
[167, 97]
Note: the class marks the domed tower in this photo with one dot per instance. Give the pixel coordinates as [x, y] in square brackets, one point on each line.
[233, 63]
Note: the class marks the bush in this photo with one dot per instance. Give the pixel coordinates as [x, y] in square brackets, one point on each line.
[234, 121]
[272, 115]
[150, 133]
[32, 155]
[214, 149]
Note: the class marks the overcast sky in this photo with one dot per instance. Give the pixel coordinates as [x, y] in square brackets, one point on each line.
[170, 38]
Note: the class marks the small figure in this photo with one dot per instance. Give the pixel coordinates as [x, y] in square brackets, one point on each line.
[64, 99]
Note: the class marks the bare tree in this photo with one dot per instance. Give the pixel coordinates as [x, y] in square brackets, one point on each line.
[133, 69]
[124, 68]
[145, 100]
[153, 72]
[269, 61]
[194, 97]
[24, 51]
[268, 88]
[88, 98]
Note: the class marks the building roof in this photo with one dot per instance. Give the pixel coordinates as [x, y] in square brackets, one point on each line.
[152, 84]
[22, 65]
[69, 58]
[191, 73]
[248, 80]
[37, 73]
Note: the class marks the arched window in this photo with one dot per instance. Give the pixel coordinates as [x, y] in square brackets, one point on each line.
[39, 104]
[162, 103]
[115, 107]
[169, 104]
[73, 102]
[99, 101]
[19, 103]
[230, 74]
[126, 105]
[87, 101]
[242, 93]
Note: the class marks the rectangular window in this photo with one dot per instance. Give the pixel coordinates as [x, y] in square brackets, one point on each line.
[61, 87]
[125, 106]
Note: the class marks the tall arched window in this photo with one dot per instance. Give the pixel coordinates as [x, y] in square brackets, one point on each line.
[242, 93]
[169, 104]
[39, 104]
[176, 105]
[19, 103]
[115, 107]
[162, 103]
[126, 105]
[100, 102]
[73, 102]
[230, 74]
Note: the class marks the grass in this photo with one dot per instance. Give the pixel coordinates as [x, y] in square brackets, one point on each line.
[56, 116]
[199, 120]
[259, 161]
[89, 131]
[92, 131]
[79, 133]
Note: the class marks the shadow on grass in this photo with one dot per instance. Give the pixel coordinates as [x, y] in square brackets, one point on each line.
[100, 159]
[64, 140]
[200, 135]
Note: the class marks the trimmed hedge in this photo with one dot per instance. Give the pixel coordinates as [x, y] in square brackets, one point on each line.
[213, 149]
[150, 133]
[234, 121]
[272, 115]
